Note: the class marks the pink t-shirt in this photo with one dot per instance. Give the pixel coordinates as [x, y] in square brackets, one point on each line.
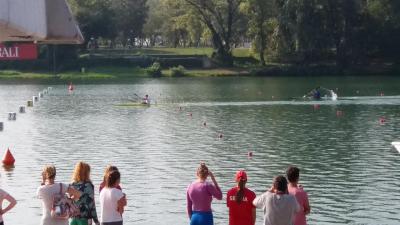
[302, 199]
[199, 196]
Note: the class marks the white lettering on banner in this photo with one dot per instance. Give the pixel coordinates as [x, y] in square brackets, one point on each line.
[11, 52]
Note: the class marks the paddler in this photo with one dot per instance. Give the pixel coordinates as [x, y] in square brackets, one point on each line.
[146, 100]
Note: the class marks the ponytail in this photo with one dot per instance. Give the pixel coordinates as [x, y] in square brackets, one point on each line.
[240, 193]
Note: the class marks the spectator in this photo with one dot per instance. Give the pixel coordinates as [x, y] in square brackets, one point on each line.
[240, 202]
[46, 192]
[199, 196]
[110, 195]
[279, 207]
[86, 203]
[293, 174]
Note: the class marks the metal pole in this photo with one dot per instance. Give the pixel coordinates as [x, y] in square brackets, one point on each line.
[54, 61]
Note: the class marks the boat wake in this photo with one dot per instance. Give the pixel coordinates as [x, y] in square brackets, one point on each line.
[360, 100]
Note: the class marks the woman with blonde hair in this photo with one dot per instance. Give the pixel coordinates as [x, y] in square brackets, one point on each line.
[46, 192]
[199, 196]
[86, 203]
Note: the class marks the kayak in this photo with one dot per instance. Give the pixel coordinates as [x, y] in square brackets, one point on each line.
[134, 104]
[396, 146]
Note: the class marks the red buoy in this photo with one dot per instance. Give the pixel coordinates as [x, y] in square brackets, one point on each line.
[8, 158]
[339, 113]
[382, 120]
[71, 87]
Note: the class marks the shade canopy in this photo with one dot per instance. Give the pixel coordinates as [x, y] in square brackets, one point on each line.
[41, 21]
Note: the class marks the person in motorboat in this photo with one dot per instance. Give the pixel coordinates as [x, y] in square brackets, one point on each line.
[316, 93]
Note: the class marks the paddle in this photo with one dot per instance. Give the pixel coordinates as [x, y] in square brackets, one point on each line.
[137, 98]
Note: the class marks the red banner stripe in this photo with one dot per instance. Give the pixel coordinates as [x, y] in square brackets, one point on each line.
[18, 51]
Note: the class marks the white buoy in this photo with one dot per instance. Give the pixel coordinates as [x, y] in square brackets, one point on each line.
[396, 145]
[29, 103]
[12, 116]
[22, 109]
[40, 95]
[1, 126]
[35, 98]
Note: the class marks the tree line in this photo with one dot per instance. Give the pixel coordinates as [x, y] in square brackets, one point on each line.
[345, 32]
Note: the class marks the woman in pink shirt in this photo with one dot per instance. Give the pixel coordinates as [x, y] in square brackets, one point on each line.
[199, 196]
[293, 174]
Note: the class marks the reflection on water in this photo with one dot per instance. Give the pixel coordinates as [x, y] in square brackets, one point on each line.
[348, 166]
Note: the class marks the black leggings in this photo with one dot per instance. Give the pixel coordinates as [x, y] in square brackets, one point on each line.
[110, 223]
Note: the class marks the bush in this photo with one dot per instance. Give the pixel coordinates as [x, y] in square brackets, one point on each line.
[154, 70]
[178, 71]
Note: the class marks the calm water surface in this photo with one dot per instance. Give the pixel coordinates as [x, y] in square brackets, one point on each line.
[349, 169]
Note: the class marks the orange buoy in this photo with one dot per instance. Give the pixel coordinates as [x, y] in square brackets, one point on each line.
[8, 158]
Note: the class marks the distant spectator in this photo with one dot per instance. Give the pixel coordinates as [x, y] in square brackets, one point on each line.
[278, 205]
[46, 192]
[293, 174]
[199, 196]
[240, 202]
[86, 203]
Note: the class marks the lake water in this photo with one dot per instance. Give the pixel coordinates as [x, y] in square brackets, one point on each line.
[348, 167]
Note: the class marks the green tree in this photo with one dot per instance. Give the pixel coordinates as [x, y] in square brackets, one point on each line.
[259, 13]
[96, 18]
[221, 18]
[130, 17]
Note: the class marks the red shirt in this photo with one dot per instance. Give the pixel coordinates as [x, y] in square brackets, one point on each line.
[240, 213]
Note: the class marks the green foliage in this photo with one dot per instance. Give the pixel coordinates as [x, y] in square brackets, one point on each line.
[178, 71]
[110, 18]
[154, 70]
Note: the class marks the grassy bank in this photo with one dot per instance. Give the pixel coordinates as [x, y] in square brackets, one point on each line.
[107, 74]
[91, 74]
[237, 52]
[122, 74]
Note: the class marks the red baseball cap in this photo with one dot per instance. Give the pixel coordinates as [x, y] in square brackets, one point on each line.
[241, 175]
